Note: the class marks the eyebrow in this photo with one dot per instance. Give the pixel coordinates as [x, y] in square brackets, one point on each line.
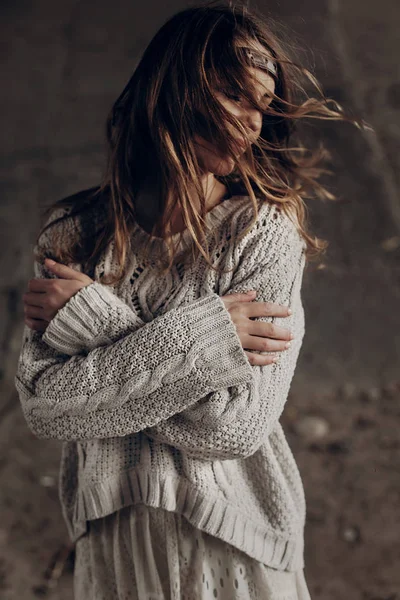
[266, 95]
[227, 88]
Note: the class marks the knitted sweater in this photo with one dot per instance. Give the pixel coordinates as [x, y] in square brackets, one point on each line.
[148, 386]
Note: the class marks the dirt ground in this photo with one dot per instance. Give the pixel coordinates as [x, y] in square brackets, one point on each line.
[350, 474]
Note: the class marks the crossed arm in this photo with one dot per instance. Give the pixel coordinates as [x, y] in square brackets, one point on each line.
[182, 379]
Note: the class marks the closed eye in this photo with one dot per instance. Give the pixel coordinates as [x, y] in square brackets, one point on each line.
[236, 98]
[233, 97]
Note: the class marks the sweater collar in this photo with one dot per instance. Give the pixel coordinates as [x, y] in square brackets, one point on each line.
[183, 239]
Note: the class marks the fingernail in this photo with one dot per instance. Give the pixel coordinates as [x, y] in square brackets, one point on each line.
[251, 292]
[289, 311]
[50, 262]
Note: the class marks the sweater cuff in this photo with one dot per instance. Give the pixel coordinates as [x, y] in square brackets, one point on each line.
[93, 317]
[217, 347]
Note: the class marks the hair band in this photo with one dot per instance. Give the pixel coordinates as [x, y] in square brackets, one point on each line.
[261, 62]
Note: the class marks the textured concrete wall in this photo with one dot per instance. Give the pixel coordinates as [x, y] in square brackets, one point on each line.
[63, 65]
[353, 324]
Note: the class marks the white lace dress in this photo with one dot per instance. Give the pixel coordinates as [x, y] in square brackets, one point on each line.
[145, 553]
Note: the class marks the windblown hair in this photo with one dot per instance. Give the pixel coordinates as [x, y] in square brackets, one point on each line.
[170, 98]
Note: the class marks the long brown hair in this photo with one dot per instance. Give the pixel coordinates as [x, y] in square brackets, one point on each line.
[170, 98]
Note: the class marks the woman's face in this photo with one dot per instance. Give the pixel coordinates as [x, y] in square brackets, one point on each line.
[251, 119]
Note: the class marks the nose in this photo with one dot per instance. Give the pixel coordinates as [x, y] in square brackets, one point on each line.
[254, 121]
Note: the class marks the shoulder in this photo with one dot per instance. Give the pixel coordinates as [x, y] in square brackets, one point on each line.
[70, 225]
[275, 229]
[73, 214]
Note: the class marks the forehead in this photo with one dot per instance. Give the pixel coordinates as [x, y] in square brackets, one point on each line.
[262, 79]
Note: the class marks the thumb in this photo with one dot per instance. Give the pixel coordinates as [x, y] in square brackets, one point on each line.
[62, 270]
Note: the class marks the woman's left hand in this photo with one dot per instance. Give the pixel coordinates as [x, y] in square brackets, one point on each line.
[45, 297]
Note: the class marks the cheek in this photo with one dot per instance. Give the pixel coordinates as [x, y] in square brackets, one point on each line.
[205, 152]
[211, 161]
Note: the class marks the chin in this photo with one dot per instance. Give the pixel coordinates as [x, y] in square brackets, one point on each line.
[225, 167]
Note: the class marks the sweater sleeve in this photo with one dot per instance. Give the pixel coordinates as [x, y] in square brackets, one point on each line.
[135, 382]
[94, 316]
[233, 422]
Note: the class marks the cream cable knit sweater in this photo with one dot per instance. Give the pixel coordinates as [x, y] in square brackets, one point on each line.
[148, 386]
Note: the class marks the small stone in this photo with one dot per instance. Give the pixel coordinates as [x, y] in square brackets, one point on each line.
[312, 427]
[47, 481]
[391, 244]
[351, 534]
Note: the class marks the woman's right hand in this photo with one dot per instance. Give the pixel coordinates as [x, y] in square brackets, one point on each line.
[257, 335]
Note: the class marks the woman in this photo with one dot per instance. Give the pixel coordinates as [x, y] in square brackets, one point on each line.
[144, 351]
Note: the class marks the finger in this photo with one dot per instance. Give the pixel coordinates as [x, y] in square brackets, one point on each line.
[261, 360]
[263, 344]
[269, 330]
[36, 325]
[34, 312]
[279, 333]
[38, 285]
[61, 270]
[266, 344]
[268, 309]
[33, 298]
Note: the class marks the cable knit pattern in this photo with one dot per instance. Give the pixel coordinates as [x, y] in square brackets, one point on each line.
[148, 386]
[95, 317]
